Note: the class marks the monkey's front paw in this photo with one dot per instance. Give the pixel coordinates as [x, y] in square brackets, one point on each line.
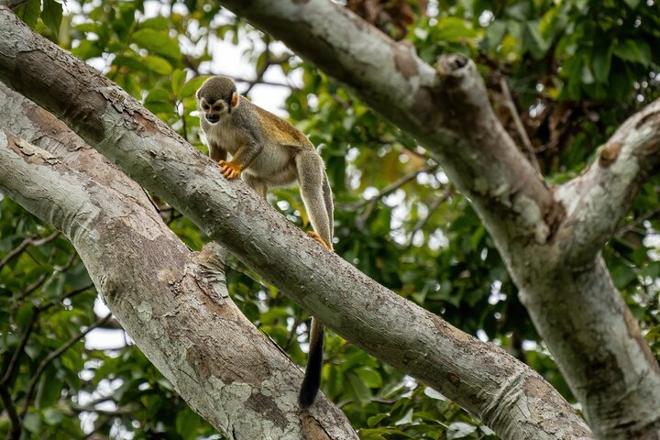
[318, 238]
[230, 170]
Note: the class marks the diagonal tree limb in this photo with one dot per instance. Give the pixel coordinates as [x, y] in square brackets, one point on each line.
[173, 303]
[597, 200]
[508, 395]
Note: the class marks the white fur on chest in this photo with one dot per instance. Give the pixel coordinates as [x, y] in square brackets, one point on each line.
[225, 134]
[274, 162]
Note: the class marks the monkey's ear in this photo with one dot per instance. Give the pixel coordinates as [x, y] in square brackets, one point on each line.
[235, 99]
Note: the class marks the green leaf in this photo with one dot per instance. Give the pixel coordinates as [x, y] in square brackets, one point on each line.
[53, 416]
[157, 64]
[190, 87]
[187, 423]
[454, 29]
[633, 51]
[534, 41]
[622, 275]
[370, 377]
[375, 420]
[360, 391]
[600, 63]
[29, 12]
[87, 49]
[52, 15]
[159, 23]
[178, 79]
[32, 422]
[158, 42]
[586, 75]
[632, 3]
[494, 33]
[159, 101]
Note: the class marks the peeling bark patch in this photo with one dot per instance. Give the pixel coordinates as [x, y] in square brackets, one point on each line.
[609, 154]
[268, 407]
[404, 61]
[311, 428]
[454, 379]
[448, 64]
[535, 387]
[448, 331]
[643, 120]
[29, 153]
[149, 125]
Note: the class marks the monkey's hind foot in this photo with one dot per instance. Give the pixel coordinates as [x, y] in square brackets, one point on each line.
[318, 238]
[230, 170]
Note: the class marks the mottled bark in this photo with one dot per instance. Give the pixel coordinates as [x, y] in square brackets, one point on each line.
[510, 397]
[173, 303]
[577, 310]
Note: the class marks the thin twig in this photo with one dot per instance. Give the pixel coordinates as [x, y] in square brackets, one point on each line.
[263, 81]
[15, 431]
[34, 286]
[434, 205]
[34, 241]
[393, 187]
[54, 355]
[519, 125]
[292, 333]
[638, 221]
[13, 362]
[67, 295]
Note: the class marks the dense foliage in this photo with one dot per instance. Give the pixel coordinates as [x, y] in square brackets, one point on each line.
[574, 71]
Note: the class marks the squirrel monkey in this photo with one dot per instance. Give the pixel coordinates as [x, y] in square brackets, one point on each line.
[267, 151]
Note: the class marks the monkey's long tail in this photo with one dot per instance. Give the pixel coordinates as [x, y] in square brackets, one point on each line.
[312, 381]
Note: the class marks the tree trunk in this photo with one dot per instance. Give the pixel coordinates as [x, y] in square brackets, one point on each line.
[568, 293]
[509, 396]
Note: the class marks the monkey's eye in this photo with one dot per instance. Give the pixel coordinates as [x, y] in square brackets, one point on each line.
[205, 106]
[217, 107]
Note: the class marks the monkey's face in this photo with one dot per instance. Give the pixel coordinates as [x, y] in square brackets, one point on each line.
[216, 98]
[213, 110]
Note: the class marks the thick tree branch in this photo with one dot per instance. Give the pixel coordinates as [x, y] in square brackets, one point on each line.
[508, 395]
[445, 107]
[447, 110]
[174, 304]
[597, 200]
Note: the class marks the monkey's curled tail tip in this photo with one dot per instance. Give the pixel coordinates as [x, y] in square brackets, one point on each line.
[312, 380]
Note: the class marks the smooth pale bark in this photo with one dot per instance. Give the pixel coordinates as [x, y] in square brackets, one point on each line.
[173, 303]
[509, 396]
[577, 310]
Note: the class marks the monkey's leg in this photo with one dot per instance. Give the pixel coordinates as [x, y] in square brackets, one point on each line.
[310, 177]
[329, 206]
[256, 184]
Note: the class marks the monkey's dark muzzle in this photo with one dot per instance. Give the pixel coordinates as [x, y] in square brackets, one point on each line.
[213, 119]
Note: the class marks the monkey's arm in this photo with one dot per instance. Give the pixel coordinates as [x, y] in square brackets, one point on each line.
[241, 159]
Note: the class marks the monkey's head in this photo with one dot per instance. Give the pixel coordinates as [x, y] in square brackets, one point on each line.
[217, 97]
